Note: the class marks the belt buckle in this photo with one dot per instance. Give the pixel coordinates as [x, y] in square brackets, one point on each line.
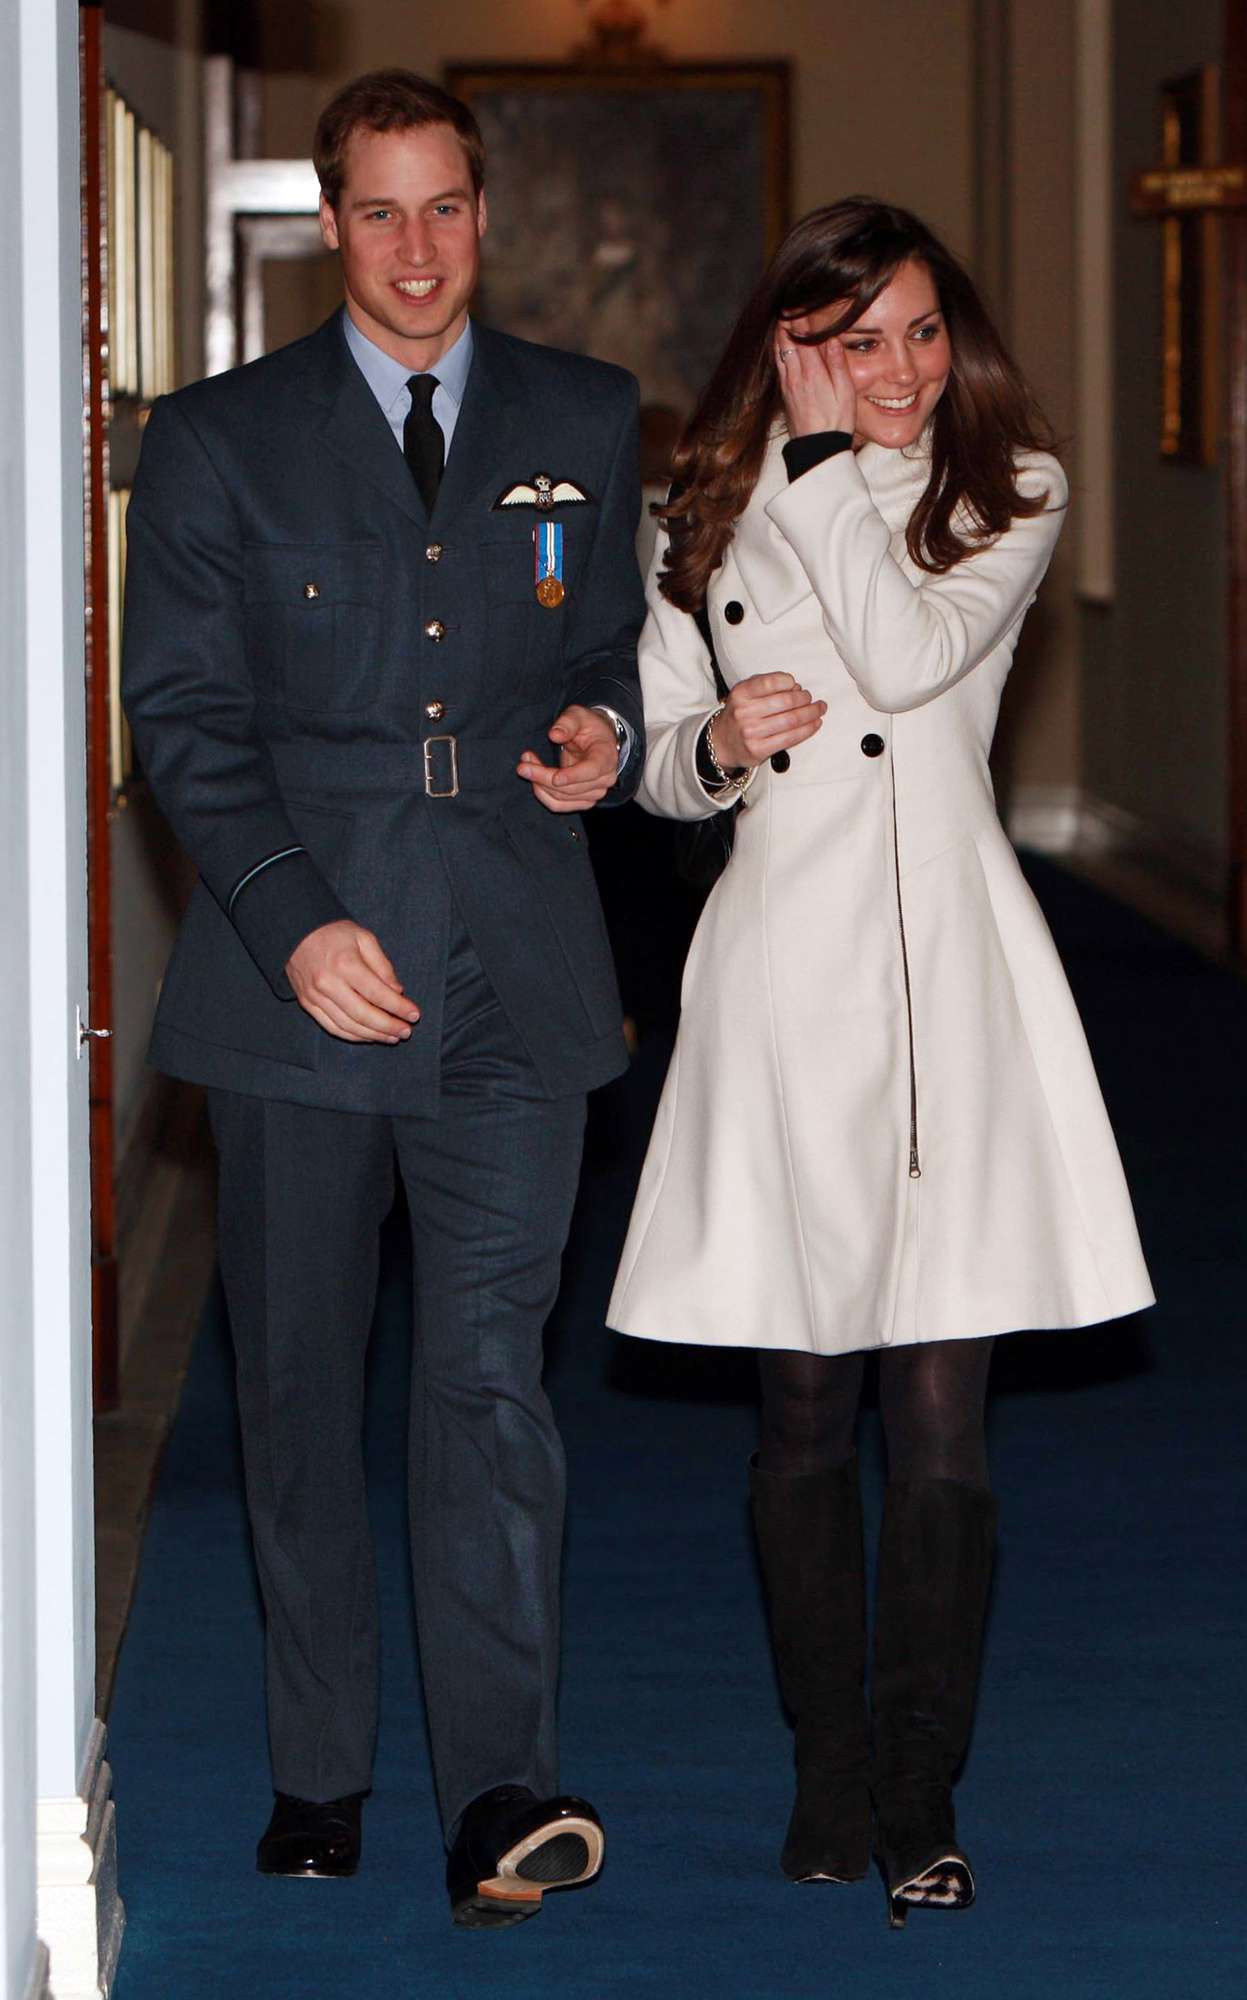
[430, 786]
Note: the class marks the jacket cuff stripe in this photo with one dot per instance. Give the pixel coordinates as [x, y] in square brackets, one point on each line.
[283, 854]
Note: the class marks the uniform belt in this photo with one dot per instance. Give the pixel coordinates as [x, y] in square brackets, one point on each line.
[440, 766]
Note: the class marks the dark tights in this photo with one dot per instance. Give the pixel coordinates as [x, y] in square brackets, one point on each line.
[931, 1398]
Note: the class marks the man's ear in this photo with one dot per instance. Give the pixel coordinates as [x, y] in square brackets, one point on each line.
[482, 218]
[328, 224]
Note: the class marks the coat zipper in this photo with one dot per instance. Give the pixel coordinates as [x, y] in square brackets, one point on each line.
[915, 1165]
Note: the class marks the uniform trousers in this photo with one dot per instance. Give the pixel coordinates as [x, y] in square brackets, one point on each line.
[490, 1182]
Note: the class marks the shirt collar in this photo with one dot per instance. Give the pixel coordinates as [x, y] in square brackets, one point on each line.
[388, 378]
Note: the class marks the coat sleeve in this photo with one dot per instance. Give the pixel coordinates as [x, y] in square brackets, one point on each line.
[608, 606]
[677, 682]
[190, 700]
[905, 642]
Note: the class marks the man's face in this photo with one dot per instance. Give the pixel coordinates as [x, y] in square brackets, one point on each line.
[408, 228]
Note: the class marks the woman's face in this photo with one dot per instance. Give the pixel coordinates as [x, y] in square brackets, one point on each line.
[899, 357]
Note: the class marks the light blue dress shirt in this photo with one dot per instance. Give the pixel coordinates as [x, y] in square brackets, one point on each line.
[388, 379]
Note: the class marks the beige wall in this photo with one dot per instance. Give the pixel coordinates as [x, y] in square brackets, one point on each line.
[844, 141]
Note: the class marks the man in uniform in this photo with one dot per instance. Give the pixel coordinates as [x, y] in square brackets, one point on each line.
[373, 578]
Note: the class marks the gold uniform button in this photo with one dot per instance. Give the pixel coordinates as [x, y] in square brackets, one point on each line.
[311, 590]
[434, 552]
[434, 710]
[435, 630]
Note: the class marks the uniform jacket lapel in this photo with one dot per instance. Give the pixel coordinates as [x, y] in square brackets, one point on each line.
[355, 429]
[488, 421]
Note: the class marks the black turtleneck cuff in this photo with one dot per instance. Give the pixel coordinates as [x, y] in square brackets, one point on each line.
[711, 777]
[802, 454]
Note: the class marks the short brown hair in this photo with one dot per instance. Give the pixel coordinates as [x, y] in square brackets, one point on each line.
[389, 100]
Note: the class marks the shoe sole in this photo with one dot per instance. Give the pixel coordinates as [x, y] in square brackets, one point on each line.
[306, 1874]
[563, 1855]
[900, 1902]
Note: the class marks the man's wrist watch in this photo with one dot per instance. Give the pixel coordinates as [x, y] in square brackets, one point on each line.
[617, 723]
[624, 738]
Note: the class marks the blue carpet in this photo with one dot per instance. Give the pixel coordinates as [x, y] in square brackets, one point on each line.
[1103, 1796]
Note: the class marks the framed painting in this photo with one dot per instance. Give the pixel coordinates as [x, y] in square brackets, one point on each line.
[631, 209]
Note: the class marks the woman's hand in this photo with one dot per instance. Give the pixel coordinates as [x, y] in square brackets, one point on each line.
[766, 713]
[815, 382]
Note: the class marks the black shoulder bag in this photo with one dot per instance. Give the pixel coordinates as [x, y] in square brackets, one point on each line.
[703, 847]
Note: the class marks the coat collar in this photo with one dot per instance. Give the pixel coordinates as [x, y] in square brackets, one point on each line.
[355, 429]
[768, 565]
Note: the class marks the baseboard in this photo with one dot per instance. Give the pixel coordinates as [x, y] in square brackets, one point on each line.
[37, 1987]
[81, 1915]
[1172, 876]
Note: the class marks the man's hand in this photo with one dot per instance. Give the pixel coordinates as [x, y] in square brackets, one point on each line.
[343, 979]
[588, 762]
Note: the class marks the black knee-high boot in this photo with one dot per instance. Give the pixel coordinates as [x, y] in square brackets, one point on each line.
[935, 1562]
[809, 1530]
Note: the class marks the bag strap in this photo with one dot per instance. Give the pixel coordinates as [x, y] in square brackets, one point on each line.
[701, 616]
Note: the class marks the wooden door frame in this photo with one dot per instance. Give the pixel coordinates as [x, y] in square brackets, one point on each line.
[1235, 226]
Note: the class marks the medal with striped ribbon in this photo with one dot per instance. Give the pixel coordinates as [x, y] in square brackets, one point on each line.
[548, 563]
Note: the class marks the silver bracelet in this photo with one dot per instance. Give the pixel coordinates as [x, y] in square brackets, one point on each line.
[724, 777]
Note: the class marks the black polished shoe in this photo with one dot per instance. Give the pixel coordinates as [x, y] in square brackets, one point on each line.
[303, 1838]
[512, 1846]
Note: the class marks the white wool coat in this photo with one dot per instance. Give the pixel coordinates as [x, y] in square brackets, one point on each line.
[881, 1124]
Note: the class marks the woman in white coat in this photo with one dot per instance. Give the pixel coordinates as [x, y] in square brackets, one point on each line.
[881, 1128]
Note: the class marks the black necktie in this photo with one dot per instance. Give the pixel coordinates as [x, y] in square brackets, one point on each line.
[424, 447]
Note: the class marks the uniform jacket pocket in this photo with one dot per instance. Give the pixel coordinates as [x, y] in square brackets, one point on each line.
[527, 635]
[313, 623]
[555, 853]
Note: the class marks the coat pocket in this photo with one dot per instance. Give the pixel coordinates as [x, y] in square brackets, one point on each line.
[313, 623]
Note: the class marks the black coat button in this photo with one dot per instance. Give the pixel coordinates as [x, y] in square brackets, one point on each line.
[733, 612]
[873, 746]
[780, 762]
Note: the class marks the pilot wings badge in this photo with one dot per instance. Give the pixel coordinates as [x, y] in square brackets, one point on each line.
[543, 492]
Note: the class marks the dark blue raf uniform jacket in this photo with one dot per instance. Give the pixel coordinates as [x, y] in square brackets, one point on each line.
[312, 666]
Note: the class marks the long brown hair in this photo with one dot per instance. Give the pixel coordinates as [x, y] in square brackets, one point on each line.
[849, 253]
